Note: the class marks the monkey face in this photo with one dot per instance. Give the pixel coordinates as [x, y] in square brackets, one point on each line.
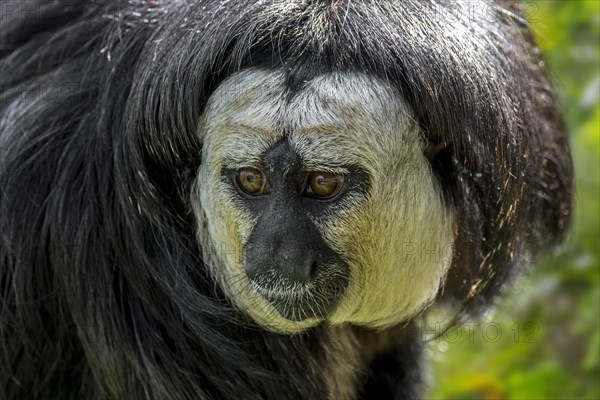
[319, 205]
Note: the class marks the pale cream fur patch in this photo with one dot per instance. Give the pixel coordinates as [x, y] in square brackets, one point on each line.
[397, 240]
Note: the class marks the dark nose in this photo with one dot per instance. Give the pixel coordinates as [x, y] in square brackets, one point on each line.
[265, 262]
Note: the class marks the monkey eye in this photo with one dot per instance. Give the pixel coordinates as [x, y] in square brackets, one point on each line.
[323, 185]
[252, 181]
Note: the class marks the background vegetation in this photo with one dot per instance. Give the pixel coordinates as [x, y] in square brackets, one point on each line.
[544, 340]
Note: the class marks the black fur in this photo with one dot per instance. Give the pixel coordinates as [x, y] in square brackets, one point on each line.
[103, 292]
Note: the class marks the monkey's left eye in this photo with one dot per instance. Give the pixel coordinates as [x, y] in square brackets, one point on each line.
[323, 185]
[252, 181]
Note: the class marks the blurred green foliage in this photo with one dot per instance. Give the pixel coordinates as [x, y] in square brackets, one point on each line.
[549, 341]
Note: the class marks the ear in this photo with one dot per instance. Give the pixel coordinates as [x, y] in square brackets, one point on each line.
[433, 148]
[435, 142]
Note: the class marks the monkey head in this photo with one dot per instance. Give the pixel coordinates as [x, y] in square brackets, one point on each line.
[311, 202]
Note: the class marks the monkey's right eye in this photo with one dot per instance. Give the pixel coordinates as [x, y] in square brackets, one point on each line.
[252, 182]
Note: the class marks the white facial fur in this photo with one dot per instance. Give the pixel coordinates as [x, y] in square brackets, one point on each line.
[397, 240]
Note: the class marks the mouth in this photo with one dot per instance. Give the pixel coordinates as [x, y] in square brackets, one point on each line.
[298, 302]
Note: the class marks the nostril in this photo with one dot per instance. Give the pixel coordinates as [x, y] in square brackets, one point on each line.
[301, 271]
[313, 270]
[255, 271]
